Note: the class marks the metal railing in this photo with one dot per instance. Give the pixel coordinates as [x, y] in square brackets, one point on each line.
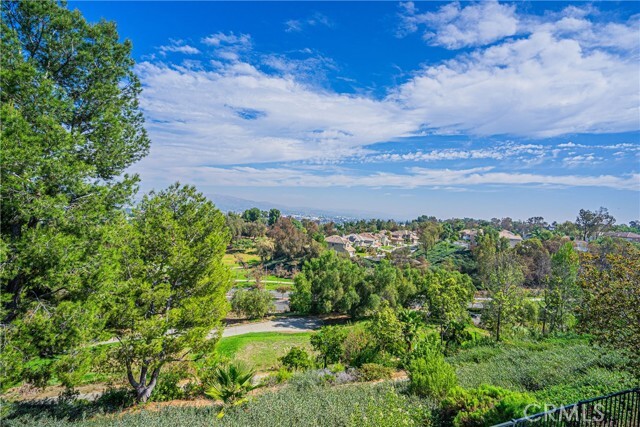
[621, 409]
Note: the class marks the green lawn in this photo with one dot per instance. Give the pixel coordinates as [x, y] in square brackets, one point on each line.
[262, 349]
[231, 259]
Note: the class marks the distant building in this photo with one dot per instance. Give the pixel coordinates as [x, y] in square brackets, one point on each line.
[626, 235]
[340, 245]
[469, 235]
[513, 239]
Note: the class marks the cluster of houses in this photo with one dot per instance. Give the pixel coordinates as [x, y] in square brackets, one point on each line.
[348, 244]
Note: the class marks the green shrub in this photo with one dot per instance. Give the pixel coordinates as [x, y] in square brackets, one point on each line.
[283, 375]
[431, 376]
[254, 303]
[374, 372]
[167, 388]
[297, 358]
[329, 343]
[484, 406]
[336, 368]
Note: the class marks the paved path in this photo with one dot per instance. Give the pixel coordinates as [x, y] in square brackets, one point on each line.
[283, 324]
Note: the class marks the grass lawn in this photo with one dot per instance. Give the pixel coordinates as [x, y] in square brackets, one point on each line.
[231, 259]
[262, 349]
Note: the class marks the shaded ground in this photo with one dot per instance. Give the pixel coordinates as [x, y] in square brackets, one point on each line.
[281, 324]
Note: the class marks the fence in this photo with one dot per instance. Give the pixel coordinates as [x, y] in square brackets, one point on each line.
[621, 409]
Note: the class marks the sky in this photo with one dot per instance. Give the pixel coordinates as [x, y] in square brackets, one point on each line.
[464, 109]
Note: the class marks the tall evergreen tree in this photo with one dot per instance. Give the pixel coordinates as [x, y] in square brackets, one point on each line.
[70, 127]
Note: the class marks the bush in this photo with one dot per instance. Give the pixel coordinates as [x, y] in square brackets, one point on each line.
[374, 372]
[167, 388]
[253, 304]
[431, 376]
[486, 405]
[297, 358]
[358, 347]
[329, 342]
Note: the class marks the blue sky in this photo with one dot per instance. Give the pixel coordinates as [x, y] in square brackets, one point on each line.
[476, 109]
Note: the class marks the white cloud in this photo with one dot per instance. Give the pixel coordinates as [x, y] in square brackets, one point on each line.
[316, 19]
[582, 160]
[415, 178]
[535, 86]
[497, 152]
[178, 46]
[228, 39]
[286, 120]
[454, 27]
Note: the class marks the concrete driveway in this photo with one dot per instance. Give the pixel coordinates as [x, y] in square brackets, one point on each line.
[283, 324]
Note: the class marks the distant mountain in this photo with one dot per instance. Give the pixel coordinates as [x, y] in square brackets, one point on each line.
[228, 203]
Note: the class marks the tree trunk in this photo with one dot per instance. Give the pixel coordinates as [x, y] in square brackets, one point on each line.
[143, 390]
[498, 325]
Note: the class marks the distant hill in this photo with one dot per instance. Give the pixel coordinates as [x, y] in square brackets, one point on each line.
[228, 203]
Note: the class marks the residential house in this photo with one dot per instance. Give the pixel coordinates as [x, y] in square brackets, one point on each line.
[340, 245]
[469, 235]
[626, 235]
[369, 240]
[383, 238]
[513, 239]
[402, 237]
[355, 240]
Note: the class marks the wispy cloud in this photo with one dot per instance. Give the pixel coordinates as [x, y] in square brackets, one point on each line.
[315, 20]
[178, 46]
[228, 39]
[414, 178]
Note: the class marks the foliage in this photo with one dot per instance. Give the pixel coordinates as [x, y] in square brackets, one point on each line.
[253, 304]
[231, 383]
[168, 388]
[536, 262]
[327, 284]
[486, 405]
[447, 295]
[431, 376]
[429, 234]
[504, 283]
[386, 331]
[329, 343]
[594, 223]
[297, 358]
[561, 292]
[265, 248]
[385, 282]
[374, 372]
[70, 128]
[610, 309]
[291, 242]
[559, 369]
[274, 216]
[172, 285]
[392, 411]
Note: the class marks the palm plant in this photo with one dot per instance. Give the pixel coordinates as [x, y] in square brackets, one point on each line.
[231, 383]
